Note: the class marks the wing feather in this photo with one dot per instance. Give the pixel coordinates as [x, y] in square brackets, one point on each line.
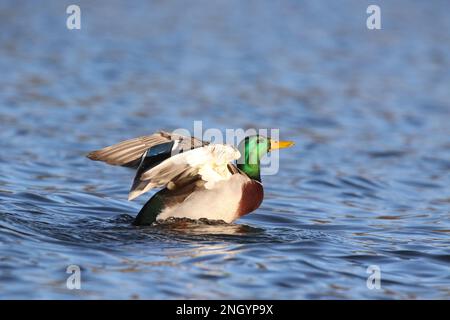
[210, 163]
[129, 152]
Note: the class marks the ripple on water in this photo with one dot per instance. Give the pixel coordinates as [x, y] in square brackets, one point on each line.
[367, 182]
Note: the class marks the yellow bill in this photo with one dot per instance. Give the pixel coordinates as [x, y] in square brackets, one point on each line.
[280, 144]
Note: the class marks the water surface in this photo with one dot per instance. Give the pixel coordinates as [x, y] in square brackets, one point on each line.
[368, 182]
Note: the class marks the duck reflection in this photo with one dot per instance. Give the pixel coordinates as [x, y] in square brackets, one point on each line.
[183, 226]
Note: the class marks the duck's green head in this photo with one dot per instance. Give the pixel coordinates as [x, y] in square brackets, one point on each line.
[252, 149]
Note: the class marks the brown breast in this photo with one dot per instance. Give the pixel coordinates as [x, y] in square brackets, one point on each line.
[252, 196]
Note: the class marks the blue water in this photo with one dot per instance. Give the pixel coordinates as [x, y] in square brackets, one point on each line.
[368, 182]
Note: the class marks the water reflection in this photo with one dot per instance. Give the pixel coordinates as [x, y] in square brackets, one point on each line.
[367, 184]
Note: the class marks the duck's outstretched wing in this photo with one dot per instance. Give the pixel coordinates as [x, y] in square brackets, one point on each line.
[207, 164]
[128, 153]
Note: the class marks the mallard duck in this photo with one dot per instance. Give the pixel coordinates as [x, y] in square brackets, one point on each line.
[198, 178]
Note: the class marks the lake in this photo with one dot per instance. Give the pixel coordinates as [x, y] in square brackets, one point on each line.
[367, 186]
